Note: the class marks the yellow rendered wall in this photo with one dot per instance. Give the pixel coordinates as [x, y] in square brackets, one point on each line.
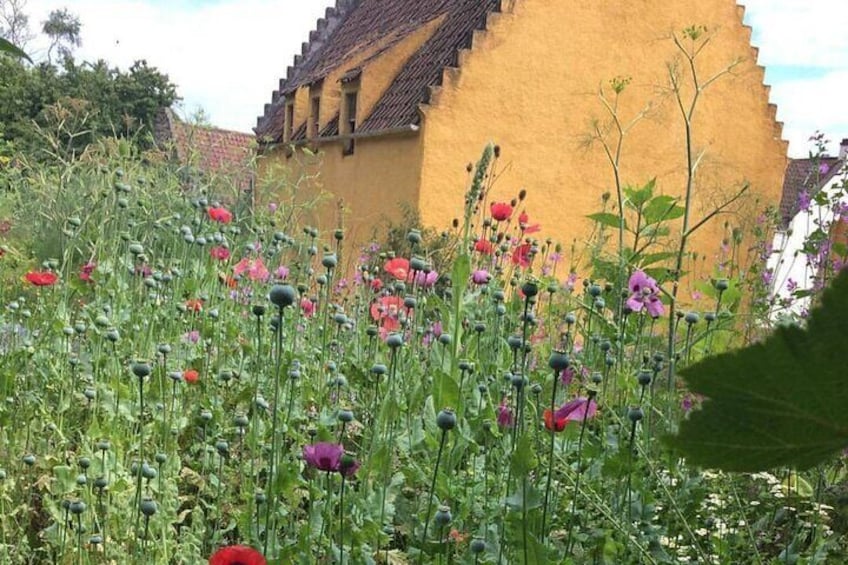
[530, 84]
[371, 186]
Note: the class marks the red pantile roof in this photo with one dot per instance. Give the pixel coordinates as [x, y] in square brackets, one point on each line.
[805, 174]
[355, 24]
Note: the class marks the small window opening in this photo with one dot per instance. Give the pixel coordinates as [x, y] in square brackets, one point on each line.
[349, 124]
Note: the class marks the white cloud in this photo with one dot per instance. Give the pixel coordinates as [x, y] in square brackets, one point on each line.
[228, 55]
[225, 56]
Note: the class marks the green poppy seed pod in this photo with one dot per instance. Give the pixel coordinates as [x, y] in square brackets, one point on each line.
[77, 507]
[148, 507]
[164, 348]
[414, 236]
[149, 472]
[443, 516]
[206, 415]
[570, 318]
[417, 264]
[84, 463]
[136, 248]
[225, 376]
[347, 461]
[82, 480]
[104, 445]
[200, 240]
[371, 331]
[594, 290]
[321, 280]
[644, 377]
[597, 377]
[514, 342]
[379, 369]
[175, 376]
[141, 370]
[302, 288]
[479, 327]
[394, 340]
[518, 381]
[101, 482]
[635, 414]
[29, 459]
[282, 295]
[400, 287]
[530, 288]
[113, 335]
[123, 202]
[605, 345]
[692, 318]
[345, 416]
[338, 235]
[710, 317]
[161, 458]
[409, 302]
[599, 303]
[101, 321]
[259, 497]
[80, 328]
[222, 447]
[340, 319]
[500, 310]
[609, 360]
[722, 285]
[262, 403]
[446, 420]
[330, 261]
[258, 310]
[75, 221]
[341, 381]
[445, 339]
[536, 388]
[498, 296]
[482, 388]
[465, 365]
[478, 546]
[241, 421]
[95, 539]
[558, 361]
[68, 331]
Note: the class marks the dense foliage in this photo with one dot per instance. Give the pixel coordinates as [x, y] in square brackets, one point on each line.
[179, 374]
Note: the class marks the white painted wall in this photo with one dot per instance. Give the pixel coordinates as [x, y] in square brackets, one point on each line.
[788, 263]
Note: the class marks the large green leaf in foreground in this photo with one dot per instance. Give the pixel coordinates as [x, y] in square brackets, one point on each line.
[8, 47]
[783, 402]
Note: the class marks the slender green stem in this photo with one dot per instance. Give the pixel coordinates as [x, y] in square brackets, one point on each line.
[430, 495]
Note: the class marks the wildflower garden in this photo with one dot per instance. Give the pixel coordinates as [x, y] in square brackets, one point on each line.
[188, 374]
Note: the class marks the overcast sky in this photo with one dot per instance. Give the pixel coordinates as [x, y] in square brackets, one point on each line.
[226, 56]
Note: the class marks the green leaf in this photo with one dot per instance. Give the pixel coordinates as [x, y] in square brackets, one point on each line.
[445, 390]
[10, 48]
[662, 208]
[524, 457]
[638, 197]
[776, 403]
[606, 219]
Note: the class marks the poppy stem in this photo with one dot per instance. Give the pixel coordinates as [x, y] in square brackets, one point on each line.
[430, 494]
[550, 459]
[579, 471]
[271, 482]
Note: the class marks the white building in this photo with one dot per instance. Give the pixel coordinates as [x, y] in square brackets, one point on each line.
[815, 190]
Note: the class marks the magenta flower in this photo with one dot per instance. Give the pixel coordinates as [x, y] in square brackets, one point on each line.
[282, 272]
[348, 468]
[803, 201]
[480, 276]
[566, 376]
[505, 418]
[577, 410]
[323, 456]
[426, 280]
[644, 294]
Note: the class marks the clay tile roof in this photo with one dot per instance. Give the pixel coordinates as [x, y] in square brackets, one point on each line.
[215, 150]
[805, 174]
[354, 25]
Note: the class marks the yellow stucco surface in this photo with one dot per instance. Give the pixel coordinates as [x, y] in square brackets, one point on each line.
[530, 83]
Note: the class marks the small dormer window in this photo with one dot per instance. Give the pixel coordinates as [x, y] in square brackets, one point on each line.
[314, 117]
[289, 125]
[349, 120]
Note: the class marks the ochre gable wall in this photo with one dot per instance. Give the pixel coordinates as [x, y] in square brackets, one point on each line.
[530, 83]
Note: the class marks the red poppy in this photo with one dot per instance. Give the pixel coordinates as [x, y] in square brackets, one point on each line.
[255, 269]
[552, 423]
[308, 307]
[398, 268]
[41, 278]
[237, 555]
[521, 256]
[523, 223]
[191, 376]
[376, 285]
[219, 253]
[85, 272]
[221, 215]
[484, 246]
[386, 311]
[501, 211]
[194, 304]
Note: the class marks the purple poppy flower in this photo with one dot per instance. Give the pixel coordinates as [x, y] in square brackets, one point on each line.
[480, 276]
[505, 418]
[324, 456]
[577, 410]
[566, 376]
[426, 280]
[348, 466]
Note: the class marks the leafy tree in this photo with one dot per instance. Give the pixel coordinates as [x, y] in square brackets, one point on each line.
[78, 103]
[63, 29]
